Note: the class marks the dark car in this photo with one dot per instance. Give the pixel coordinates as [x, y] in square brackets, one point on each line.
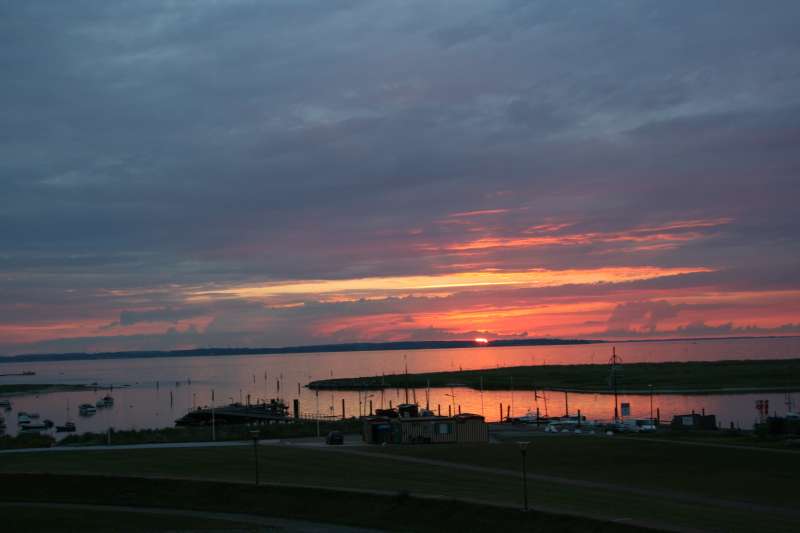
[334, 437]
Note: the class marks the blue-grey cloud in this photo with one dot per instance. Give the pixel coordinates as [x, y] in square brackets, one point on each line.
[146, 147]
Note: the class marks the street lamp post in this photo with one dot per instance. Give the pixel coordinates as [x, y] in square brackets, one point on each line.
[255, 451]
[523, 448]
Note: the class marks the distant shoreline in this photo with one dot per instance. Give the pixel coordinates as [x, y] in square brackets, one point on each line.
[347, 347]
[27, 389]
[320, 348]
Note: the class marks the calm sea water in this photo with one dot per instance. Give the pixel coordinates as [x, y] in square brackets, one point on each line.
[153, 393]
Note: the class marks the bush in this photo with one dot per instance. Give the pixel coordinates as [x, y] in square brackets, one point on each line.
[26, 440]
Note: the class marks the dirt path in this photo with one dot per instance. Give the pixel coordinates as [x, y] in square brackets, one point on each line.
[277, 524]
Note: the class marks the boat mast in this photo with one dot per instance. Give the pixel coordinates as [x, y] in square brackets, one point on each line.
[614, 381]
[405, 358]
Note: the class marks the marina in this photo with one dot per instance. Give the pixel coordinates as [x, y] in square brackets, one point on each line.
[146, 397]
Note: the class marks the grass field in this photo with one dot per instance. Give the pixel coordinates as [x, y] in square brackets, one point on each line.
[689, 377]
[713, 489]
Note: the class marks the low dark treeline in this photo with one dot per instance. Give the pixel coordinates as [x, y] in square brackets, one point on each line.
[351, 347]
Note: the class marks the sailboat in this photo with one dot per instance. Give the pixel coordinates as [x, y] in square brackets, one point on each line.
[68, 426]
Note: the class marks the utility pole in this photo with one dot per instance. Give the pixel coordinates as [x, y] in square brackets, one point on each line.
[405, 358]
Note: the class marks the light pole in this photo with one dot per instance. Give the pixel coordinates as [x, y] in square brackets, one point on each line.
[523, 449]
[452, 400]
[255, 451]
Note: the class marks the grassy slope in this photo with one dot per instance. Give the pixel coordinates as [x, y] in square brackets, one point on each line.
[30, 519]
[741, 475]
[400, 512]
[706, 376]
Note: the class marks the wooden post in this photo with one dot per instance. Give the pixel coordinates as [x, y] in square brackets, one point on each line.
[390, 404]
[449, 410]
[537, 417]
[439, 409]
[370, 408]
[296, 409]
[459, 408]
[343, 417]
[658, 416]
[579, 418]
[501, 411]
[508, 412]
[566, 403]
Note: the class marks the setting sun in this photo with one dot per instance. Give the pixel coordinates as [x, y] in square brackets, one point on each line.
[481, 340]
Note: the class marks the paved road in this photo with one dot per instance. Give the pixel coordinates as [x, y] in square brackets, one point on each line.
[275, 524]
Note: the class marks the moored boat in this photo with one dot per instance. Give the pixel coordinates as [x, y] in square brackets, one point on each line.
[68, 427]
[106, 401]
[87, 409]
[33, 426]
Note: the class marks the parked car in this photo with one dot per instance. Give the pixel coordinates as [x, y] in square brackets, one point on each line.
[641, 425]
[334, 437]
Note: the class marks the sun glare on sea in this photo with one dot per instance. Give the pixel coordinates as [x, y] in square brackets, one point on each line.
[481, 340]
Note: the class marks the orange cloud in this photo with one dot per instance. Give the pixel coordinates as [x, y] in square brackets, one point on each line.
[672, 232]
[460, 280]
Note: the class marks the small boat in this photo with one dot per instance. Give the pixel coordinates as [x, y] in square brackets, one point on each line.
[5, 404]
[23, 419]
[106, 401]
[33, 426]
[48, 423]
[68, 427]
[87, 409]
[33, 415]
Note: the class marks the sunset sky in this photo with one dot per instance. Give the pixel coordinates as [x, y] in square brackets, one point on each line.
[252, 173]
